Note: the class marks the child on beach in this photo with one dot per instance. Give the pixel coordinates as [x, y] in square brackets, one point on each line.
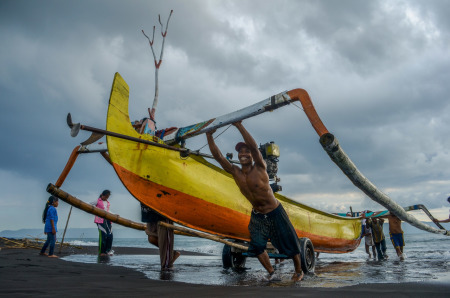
[50, 218]
[105, 238]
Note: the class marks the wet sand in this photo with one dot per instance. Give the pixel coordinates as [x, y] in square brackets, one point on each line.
[24, 273]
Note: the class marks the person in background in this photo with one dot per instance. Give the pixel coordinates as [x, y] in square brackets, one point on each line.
[104, 226]
[368, 239]
[376, 224]
[160, 236]
[443, 220]
[50, 218]
[396, 233]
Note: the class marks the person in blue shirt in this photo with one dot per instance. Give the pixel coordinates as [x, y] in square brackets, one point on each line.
[50, 218]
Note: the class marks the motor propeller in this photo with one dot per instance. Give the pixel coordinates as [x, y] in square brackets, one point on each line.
[74, 128]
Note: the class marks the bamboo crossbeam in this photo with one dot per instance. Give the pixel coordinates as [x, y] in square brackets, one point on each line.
[71, 200]
[203, 235]
[52, 189]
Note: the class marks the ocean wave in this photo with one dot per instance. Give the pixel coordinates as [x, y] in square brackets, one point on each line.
[82, 243]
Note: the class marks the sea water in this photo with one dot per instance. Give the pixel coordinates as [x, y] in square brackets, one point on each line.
[428, 260]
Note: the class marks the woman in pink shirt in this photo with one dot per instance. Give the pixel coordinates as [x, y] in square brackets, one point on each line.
[105, 237]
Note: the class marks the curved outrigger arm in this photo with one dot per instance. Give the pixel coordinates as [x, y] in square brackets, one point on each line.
[331, 145]
[272, 103]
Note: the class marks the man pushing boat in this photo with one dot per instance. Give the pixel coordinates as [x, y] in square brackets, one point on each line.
[268, 219]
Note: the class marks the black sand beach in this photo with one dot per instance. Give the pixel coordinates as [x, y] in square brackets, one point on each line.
[24, 273]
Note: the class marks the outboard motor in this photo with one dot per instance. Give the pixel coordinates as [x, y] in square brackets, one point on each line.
[270, 152]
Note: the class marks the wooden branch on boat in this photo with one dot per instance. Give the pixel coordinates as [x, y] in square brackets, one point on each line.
[157, 63]
[204, 235]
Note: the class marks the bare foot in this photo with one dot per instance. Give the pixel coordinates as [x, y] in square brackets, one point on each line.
[103, 255]
[176, 254]
[279, 261]
[53, 256]
[43, 254]
[297, 276]
[272, 276]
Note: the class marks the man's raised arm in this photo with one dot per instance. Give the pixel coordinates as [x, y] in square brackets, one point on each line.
[251, 143]
[226, 165]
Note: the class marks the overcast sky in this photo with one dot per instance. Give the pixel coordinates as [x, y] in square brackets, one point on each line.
[378, 73]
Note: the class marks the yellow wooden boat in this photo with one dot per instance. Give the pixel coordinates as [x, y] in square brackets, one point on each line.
[197, 194]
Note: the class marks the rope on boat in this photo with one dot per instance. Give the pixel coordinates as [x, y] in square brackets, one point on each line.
[215, 137]
[331, 145]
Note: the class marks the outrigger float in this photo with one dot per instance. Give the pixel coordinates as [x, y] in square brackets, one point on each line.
[183, 186]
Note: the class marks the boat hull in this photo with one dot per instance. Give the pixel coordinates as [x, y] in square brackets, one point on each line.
[197, 194]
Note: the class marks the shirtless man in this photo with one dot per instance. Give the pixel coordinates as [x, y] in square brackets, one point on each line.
[268, 219]
[396, 233]
[443, 220]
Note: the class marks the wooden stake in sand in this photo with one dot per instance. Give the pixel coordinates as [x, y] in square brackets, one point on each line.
[64, 234]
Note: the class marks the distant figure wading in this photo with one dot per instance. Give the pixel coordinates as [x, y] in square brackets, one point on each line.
[268, 218]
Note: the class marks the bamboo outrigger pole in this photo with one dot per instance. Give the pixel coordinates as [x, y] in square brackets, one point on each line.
[66, 197]
[65, 229]
[92, 209]
[331, 145]
[339, 157]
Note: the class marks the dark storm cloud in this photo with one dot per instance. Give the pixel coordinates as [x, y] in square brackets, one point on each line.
[377, 72]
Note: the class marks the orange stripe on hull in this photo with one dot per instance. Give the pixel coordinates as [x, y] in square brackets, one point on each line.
[185, 209]
[201, 215]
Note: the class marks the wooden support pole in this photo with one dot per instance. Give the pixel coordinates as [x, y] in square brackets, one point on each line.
[203, 235]
[65, 229]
